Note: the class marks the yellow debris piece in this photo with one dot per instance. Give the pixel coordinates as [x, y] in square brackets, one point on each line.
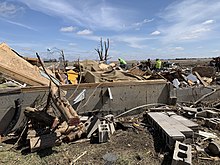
[72, 76]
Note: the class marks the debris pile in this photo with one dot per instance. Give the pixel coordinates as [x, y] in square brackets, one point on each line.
[188, 130]
[93, 72]
[55, 121]
[188, 133]
[90, 71]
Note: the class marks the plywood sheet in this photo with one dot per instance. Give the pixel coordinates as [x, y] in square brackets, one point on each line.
[19, 69]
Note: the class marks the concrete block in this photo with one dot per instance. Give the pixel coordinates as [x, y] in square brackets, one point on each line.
[178, 125]
[188, 123]
[104, 133]
[161, 122]
[103, 122]
[182, 154]
[92, 125]
[112, 127]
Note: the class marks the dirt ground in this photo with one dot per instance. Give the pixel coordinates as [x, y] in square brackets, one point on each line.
[126, 147]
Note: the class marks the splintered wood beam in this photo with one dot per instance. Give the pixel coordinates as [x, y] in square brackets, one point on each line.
[67, 111]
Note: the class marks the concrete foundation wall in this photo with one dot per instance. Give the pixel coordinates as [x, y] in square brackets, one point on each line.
[7, 107]
[126, 95]
[193, 94]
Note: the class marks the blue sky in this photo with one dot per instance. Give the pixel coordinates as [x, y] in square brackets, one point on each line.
[137, 29]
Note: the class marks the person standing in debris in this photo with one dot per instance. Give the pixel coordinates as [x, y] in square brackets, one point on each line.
[217, 64]
[158, 65]
[123, 63]
[148, 64]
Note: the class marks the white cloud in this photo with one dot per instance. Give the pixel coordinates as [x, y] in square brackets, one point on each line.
[19, 24]
[8, 9]
[200, 30]
[85, 32]
[132, 41]
[92, 14]
[72, 44]
[138, 25]
[216, 51]
[92, 37]
[208, 22]
[178, 48]
[68, 29]
[194, 33]
[155, 33]
[183, 21]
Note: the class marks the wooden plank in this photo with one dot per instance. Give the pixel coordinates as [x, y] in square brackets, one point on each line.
[92, 85]
[200, 79]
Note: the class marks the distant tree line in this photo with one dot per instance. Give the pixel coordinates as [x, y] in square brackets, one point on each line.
[50, 60]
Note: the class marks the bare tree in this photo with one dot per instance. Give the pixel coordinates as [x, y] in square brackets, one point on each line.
[103, 57]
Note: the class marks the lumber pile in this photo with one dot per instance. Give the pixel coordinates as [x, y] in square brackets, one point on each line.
[45, 129]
